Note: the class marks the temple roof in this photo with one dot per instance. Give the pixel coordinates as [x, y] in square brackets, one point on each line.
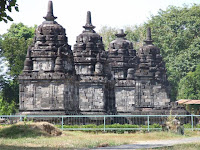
[50, 50]
[50, 16]
[150, 60]
[120, 42]
[88, 26]
[148, 47]
[89, 39]
[148, 40]
[50, 26]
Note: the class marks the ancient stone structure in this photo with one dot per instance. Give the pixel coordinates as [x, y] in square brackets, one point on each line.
[90, 80]
[48, 84]
[90, 59]
[151, 82]
[122, 58]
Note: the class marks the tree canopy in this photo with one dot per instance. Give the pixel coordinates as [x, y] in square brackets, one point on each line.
[176, 32]
[135, 34]
[7, 5]
[13, 45]
[189, 86]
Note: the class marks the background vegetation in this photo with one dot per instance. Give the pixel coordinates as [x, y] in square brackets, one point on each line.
[13, 48]
[176, 31]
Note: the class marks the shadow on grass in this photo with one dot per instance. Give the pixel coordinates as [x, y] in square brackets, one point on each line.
[5, 147]
[20, 131]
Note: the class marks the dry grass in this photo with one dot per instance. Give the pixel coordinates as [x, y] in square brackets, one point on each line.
[78, 139]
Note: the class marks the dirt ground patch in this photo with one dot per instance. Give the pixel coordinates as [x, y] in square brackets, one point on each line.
[44, 127]
[29, 129]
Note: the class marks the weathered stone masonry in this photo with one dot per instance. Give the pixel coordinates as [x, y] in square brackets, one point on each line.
[90, 80]
[48, 82]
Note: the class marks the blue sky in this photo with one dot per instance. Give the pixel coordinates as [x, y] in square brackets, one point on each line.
[72, 13]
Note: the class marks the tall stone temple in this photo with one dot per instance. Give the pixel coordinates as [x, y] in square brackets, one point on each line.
[49, 82]
[90, 79]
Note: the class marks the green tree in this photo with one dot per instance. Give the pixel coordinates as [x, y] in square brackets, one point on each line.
[20, 31]
[14, 51]
[7, 108]
[14, 45]
[135, 34]
[7, 5]
[108, 35]
[189, 86]
[10, 91]
[175, 31]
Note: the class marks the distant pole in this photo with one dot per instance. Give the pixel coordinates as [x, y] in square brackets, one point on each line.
[148, 122]
[192, 123]
[104, 126]
[62, 122]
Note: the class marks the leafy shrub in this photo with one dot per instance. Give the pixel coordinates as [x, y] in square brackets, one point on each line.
[188, 125]
[7, 108]
[155, 125]
[197, 126]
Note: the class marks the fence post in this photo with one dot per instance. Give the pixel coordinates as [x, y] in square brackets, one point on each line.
[192, 122]
[104, 123]
[62, 122]
[148, 122]
[20, 118]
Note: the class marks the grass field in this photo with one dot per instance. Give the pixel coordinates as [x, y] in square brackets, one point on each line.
[20, 138]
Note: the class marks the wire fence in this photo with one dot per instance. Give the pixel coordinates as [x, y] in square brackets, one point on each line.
[107, 122]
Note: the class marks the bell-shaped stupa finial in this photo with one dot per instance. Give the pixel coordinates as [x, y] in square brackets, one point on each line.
[88, 25]
[50, 16]
[148, 33]
[28, 64]
[148, 38]
[120, 33]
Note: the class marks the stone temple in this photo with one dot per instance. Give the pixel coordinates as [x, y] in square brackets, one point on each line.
[90, 79]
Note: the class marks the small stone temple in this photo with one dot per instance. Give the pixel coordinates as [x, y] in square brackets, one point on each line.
[91, 64]
[152, 87]
[123, 63]
[90, 79]
[49, 83]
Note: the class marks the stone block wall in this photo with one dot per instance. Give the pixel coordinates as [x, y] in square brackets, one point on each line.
[42, 93]
[125, 95]
[92, 97]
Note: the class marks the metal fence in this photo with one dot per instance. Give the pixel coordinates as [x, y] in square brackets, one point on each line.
[107, 122]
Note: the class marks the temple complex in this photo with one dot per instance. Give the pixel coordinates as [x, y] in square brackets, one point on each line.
[89, 79]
